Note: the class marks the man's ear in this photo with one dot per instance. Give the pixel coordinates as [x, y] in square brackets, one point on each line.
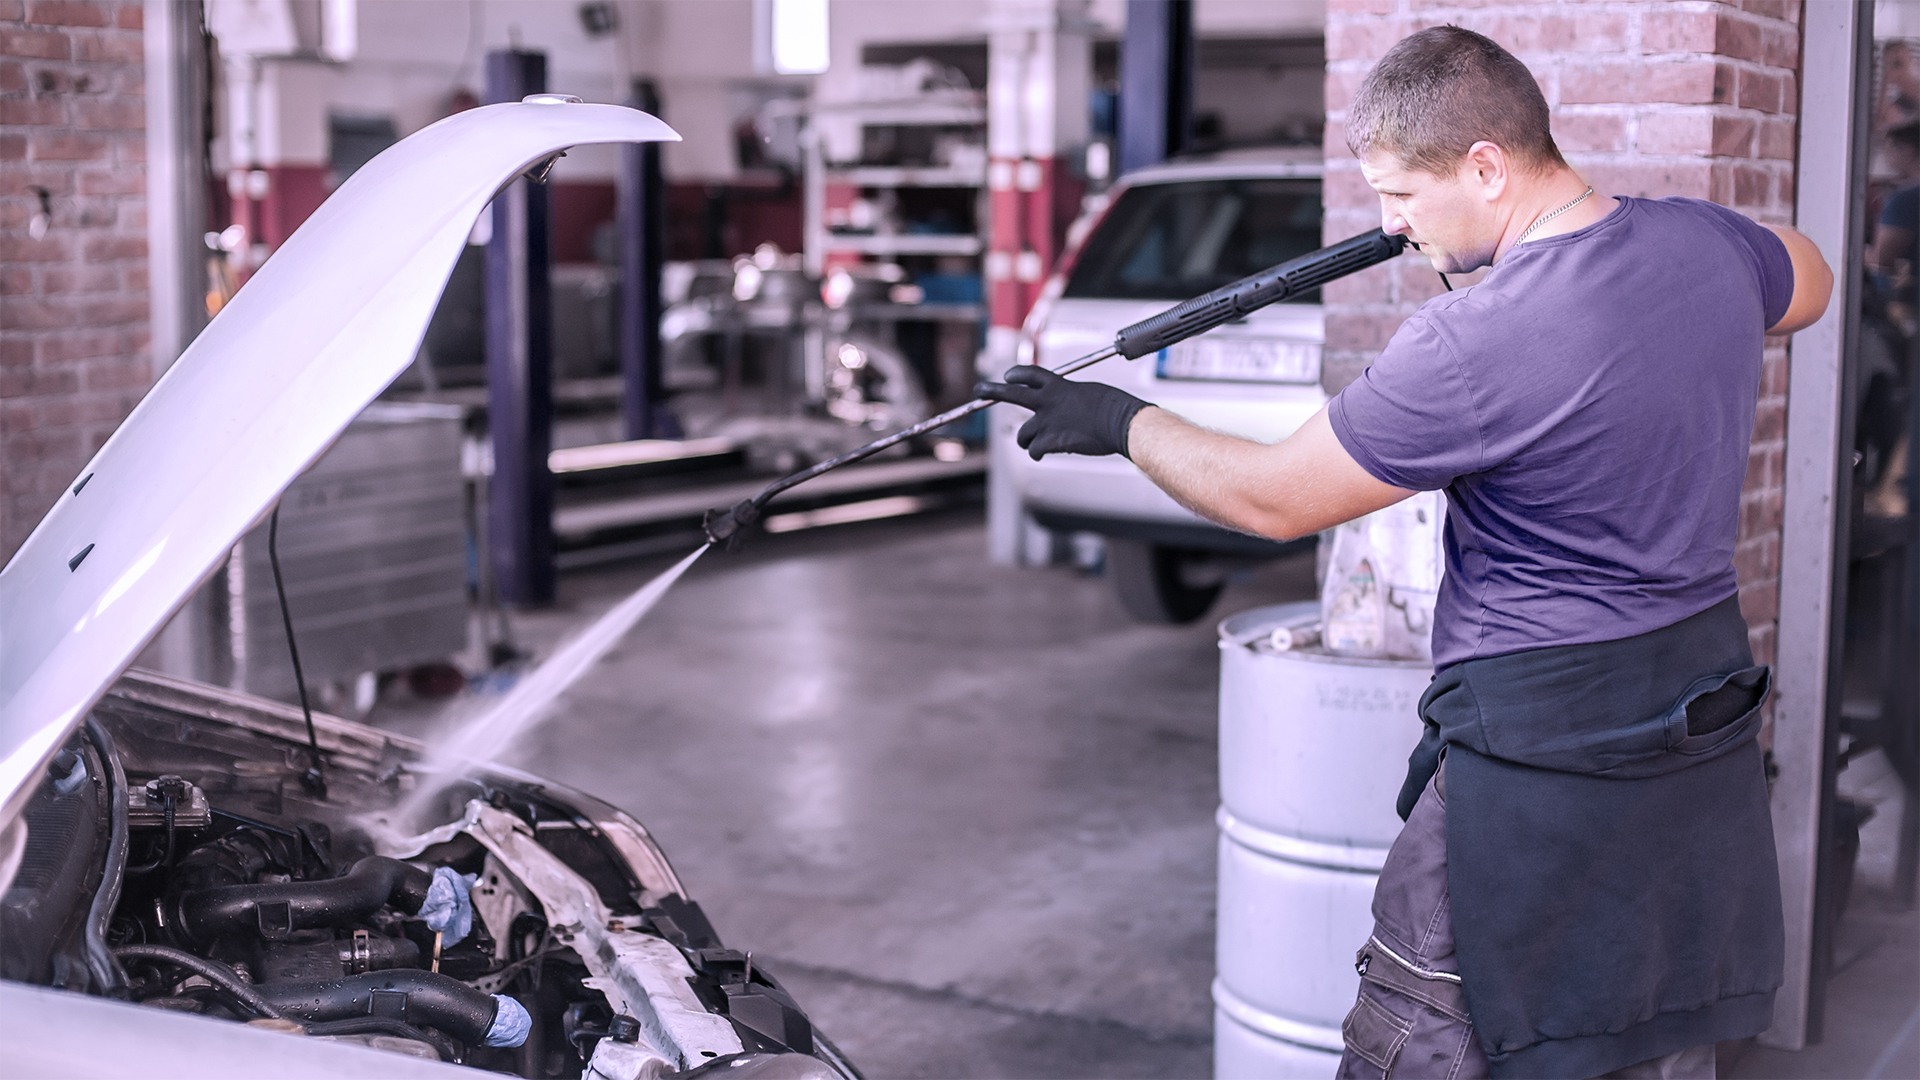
[1487, 170]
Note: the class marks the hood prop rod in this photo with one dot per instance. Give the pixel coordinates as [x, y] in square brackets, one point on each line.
[313, 779]
[1176, 324]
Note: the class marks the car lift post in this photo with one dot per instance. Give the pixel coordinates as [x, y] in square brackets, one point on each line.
[642, 224]
[1156, 82]
[519, 338]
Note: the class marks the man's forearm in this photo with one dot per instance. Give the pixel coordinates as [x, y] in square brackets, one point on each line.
[1285, 490]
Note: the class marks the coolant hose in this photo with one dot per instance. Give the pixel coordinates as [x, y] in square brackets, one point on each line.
[213, 971]
[275, 910]
[375, 1025]
[102, 965]
[474, 1017]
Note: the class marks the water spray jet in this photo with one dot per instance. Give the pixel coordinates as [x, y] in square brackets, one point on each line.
[482, 738]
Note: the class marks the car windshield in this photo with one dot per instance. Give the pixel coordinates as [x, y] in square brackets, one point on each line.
[1175, 241]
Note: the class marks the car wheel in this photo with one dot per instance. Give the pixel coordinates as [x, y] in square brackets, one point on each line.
[1152, 586]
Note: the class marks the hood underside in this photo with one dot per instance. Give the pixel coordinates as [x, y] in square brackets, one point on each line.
[334, 316]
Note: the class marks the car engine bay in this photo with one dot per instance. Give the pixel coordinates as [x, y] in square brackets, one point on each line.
[175, 860]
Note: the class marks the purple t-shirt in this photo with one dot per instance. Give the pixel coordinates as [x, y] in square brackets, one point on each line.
[1587, 409]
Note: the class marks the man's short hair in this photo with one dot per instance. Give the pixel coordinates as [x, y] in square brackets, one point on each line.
[1438, 92]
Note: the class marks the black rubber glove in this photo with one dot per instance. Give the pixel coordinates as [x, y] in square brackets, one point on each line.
[1069, 417]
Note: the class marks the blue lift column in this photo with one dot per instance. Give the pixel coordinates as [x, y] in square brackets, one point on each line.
[519, 308]
[642, 223]
[1156, 82]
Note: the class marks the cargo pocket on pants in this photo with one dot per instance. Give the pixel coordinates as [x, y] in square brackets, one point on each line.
[1407, 1021]
[1374, 1035]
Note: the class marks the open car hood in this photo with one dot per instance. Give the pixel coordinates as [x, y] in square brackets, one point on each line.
[334, 316]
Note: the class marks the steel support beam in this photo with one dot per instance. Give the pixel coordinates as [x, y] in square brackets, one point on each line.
[1816, 528]
[520, 363]
[176, 82]
[642, 224]
[196, 643]
[1156, 81]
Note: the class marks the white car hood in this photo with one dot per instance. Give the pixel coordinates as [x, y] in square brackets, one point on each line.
[333, 317]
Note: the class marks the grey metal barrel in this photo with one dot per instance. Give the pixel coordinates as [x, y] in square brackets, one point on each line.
[1313, 750]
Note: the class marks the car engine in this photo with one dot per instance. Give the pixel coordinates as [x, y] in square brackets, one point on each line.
[174, 859]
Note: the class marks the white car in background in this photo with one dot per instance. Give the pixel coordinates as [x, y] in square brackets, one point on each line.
[196, 882]
[1162, 235]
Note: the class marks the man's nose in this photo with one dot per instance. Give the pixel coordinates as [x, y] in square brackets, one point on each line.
[1392, 224]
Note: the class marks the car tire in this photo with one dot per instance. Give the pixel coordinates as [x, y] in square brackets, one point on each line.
[1151, 587]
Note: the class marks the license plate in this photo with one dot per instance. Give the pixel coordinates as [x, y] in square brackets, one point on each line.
[1242, 360]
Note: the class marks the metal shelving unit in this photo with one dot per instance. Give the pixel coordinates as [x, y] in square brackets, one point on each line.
[923, 187]
[946, 109]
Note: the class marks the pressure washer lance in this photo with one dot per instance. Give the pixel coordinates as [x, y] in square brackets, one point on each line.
[1176, 324]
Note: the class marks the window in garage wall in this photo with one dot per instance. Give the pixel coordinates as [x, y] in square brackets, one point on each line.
[1247, 91]
[352, 141]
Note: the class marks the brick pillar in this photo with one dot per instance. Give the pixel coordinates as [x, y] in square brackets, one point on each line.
[73, 299]
[1649, 98]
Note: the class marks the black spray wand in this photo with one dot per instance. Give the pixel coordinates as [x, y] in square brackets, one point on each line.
[1196, 316]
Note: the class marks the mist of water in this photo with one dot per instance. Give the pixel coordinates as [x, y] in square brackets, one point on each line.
[485, 736]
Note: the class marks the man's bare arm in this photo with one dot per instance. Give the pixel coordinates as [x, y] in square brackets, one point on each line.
[1301, 485]
[1812, 283]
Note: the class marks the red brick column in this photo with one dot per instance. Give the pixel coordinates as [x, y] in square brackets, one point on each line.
[73, 301]
[1649, 98]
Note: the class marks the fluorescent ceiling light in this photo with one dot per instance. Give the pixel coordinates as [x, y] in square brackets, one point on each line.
[799, 37]
[339, 30]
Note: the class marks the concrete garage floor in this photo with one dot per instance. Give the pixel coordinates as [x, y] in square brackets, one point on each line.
[965, 812]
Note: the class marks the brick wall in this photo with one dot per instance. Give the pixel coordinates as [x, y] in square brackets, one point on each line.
[1649, 98]
[73, 303]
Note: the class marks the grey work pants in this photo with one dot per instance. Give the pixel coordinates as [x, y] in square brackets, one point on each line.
[1411, 1017]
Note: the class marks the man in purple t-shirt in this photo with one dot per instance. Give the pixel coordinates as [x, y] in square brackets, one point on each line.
[1587, 409]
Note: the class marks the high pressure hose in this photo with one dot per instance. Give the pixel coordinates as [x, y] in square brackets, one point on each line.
[109, 977]
[1176, 324]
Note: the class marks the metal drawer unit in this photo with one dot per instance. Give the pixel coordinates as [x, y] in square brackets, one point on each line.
[373, 550]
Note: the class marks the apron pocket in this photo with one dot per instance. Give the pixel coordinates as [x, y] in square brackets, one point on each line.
[1718, 710]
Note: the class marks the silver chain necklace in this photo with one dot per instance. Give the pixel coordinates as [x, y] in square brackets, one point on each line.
[1551, 214]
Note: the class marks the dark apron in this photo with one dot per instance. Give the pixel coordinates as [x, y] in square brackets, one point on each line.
[1614, 885]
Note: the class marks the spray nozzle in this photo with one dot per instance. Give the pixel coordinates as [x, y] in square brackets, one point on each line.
[730, 526]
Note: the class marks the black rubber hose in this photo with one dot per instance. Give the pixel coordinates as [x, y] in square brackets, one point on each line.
[380, 1025]
[423, 997]
[213, 971]
[108, 976]
[164, 860]
[275, 910]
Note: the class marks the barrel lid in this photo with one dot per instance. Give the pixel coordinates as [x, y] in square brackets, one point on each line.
[1250, 630]
[1256, 623]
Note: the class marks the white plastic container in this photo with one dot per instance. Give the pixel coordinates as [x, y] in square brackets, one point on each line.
[1313, 750]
